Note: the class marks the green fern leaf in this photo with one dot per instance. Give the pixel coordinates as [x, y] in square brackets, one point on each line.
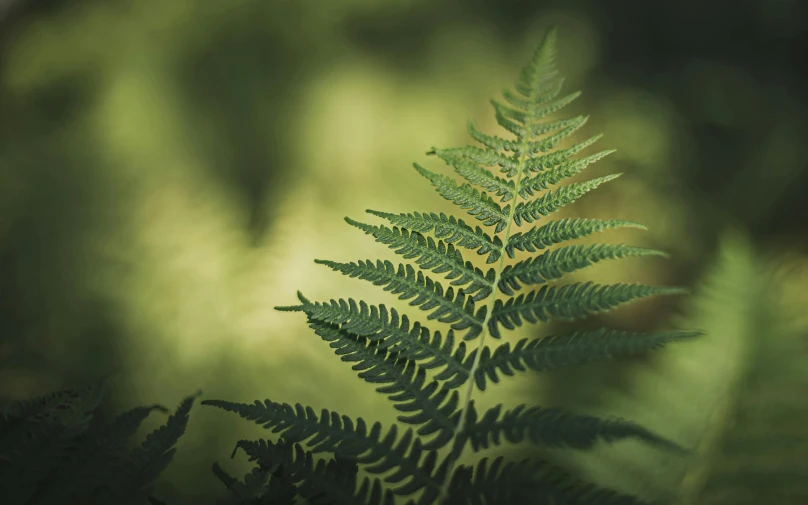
[439, 257]
[554, 200]
[563, 171]
[450, 229]
[572, 301]
[435, 405]
[392, 332]
[549, 353]
[316, 481]
[53, 425]
[93, 461]
[562, 230]
[478, 155]
[528, 148]
[557, 157]
[18, 418]
[544, 93]
[479, 205]
[446, 307]
[511, 482]
[148, 461]
[474, 173]
[551, 427]
[261, 486]
[527, 481]
[338, 434]
[554, 264]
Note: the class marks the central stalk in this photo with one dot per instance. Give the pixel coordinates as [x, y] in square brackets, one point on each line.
[490, 309]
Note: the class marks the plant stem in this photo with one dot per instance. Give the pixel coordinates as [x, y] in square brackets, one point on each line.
[444, 494]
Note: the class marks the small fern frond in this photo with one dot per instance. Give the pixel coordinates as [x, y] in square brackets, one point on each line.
[434, 404]
[477, 204]
[145, 463]
[477, 155]
[445, 306]
[551, 352]
[41, 411]
[526, 481]
[440, 258]
[552, 201]
[562, 230]
[47, 440]
[319, 483]
[551, 427]
[569, 302]
[94, 459]
[258, 486]
[563, 171]
[555, 264]
[558, 157]
[475, 173]
[484, 483]
[339, 434]
[524, 147]
[392, 332]
[450, 229]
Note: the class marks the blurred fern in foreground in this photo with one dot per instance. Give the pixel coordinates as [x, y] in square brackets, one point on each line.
[754, 448]
[53, 451]
[736, 395]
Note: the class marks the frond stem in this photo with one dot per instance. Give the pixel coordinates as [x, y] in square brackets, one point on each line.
[490, 309]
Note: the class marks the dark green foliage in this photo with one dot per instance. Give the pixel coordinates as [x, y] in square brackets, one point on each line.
[421, 370]
[52, 450]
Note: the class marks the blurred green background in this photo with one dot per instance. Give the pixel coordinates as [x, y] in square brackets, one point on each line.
[170, 169]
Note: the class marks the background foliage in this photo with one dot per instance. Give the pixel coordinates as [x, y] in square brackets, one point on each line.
[168, 171]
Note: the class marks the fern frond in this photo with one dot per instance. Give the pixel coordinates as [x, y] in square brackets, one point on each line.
[571, 301]
[393, 354]
[540, 76]
[446, 307]
[556, 157]
[554, 200]
[554, 264]
[338, 434]
[145, 463]
[551, 427]
[258, 486]
[562, 230]
[479, 175]
[563, 171]
[318, 484]
[428, 255]
[528, 148]
[511, 482]
[450, 229]
[478, 155]
[527, 481]
[92, 463]
[51, 429]
[391, 332]
[434, 406]
[524, 124]
[17, 418]
[546, 92]
[477, 204]
[551, 352]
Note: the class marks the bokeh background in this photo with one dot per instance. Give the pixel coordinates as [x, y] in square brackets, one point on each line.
[170, 169]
